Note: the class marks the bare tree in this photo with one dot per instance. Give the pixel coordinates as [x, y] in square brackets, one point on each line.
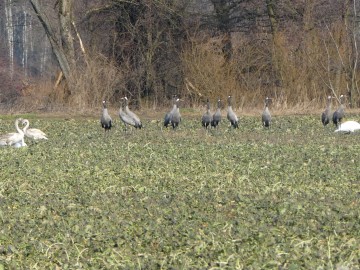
[147, 38]
[351, 20]
[62, 44]
[223, 17]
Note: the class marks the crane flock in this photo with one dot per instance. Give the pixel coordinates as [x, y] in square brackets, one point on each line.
[173, 118]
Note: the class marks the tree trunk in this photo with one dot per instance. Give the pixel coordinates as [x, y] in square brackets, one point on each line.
[351, 69]
[272, 18]
[222, 10]
[275, 39]
[65, 19]
[64, 48]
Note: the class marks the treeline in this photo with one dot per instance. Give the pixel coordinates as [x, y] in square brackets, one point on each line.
[296, 52]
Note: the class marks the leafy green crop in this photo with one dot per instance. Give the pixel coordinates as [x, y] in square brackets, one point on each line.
[283, 198]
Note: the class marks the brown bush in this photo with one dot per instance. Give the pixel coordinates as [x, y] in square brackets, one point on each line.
[98, 80]
[297, 75]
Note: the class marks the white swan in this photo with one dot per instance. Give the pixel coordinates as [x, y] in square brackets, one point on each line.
[33, 133]
[13, 139]
[348, 126]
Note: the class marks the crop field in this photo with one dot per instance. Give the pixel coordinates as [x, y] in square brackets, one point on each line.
[283, 198]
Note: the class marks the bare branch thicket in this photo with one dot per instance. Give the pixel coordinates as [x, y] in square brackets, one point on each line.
[210, 47]
[147, 38]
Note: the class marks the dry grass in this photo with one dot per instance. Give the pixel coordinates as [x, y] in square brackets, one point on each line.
[98, 80]
[296, 74]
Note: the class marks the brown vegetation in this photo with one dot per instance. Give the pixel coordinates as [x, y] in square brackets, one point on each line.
[288, 53]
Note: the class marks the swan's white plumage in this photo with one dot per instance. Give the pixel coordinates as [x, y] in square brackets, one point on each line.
[33, 133]
[348, 126]
[19, 144]
[13, 139]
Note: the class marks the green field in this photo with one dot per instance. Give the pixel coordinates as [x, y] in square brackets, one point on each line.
[284, 198]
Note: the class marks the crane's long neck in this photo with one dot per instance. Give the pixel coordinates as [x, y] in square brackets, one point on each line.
[126, 105]
[17, 127]
[341, 107]
[105, 111]
[229, 102]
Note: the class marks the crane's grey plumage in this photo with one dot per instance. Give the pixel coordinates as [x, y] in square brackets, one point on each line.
[231, 116]
[339, 113]
[326, 114]
[125, 118]
[266, 116]
[33, 133]
[175, 117]
[13, 139]
[207, 117]
[132, 115]
[105, 120]
[217, 115]
[167, 119]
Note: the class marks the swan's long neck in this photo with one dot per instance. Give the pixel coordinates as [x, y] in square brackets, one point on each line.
[26, 126]
[17, 127]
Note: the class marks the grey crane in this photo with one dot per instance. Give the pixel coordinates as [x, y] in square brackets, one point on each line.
[167, 119]
[340, 112]
[105, 120]
[266, 116]
[207, 117]
[326, 114]
[125, 118]
[231, 116]
[175, 117]
[217, 115]
[132, 115]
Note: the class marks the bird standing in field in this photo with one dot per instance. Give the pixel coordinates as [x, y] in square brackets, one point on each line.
[207, 117]
[217, 115]
[340, 112]
[167, 118]
[266, 116]
[125, 118]
[105, 120]
[175, 117]
[326, 114]
[33, 133]
[231, 116]
[13, 139]
[132, 115]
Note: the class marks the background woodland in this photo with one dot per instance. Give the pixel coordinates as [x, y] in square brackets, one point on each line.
[58, 54]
